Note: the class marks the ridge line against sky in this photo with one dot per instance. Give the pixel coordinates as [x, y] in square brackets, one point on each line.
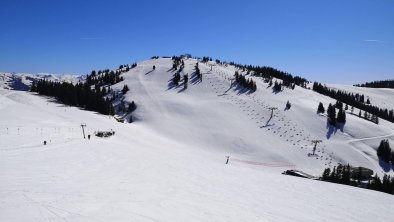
[326, 41]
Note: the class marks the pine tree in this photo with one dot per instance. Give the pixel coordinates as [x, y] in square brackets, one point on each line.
[339, 105]
[320, 108]
[176, 78]
[33, 86]
[384, 151]
[125, 89]
[131, 107]
[331, 113]
[185, 81]
[277, 86]
[341, 116]
[333, 175]
[288, 105]
[326, 174]
[386, 185]
[345, 179]
[375, 184]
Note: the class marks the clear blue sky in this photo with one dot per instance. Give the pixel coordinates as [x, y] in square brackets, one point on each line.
[333, 41]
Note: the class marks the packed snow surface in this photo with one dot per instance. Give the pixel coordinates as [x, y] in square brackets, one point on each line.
[169, 165]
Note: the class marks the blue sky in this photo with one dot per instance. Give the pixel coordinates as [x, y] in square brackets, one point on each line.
[333, 41]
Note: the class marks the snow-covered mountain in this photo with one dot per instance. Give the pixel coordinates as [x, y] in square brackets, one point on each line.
[169, 164]
[23, 81]
[222, 118]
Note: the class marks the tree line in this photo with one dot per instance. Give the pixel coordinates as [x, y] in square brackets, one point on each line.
[355, 100]
[332, 116]
[80, 95]
[108, 77]
[265, 72]
[89, 95]
[378, 84]
[246, 83]
[353, 176]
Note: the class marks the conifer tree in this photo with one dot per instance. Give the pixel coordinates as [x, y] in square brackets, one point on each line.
[131, 107]
[125, 89]
[384, 151]
[339, 105]
[288, 105]
[333, 175]
[320, 108]
[341, 116]
[331, 114]
[375, 184]
[176, 78]
[185, 81]
[326, 174]
[277, 86]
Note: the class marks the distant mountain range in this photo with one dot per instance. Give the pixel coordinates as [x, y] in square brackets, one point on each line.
[23, 81]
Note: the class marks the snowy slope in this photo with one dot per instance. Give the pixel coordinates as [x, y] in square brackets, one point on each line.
[169, 164]
[220, 117]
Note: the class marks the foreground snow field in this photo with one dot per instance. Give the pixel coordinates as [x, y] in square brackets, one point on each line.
[169, 165]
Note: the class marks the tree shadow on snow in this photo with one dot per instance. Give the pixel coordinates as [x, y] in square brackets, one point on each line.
[225, 92]
[171, 85]
[385, 166]
[171, 70]
[18, 85]
[194, 79]
[341, 126]
[242, 90]
[275, 91]
[148, 72]
[330, 130]
[181, 90]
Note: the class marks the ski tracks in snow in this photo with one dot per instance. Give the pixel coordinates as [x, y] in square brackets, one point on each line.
[259, 111]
